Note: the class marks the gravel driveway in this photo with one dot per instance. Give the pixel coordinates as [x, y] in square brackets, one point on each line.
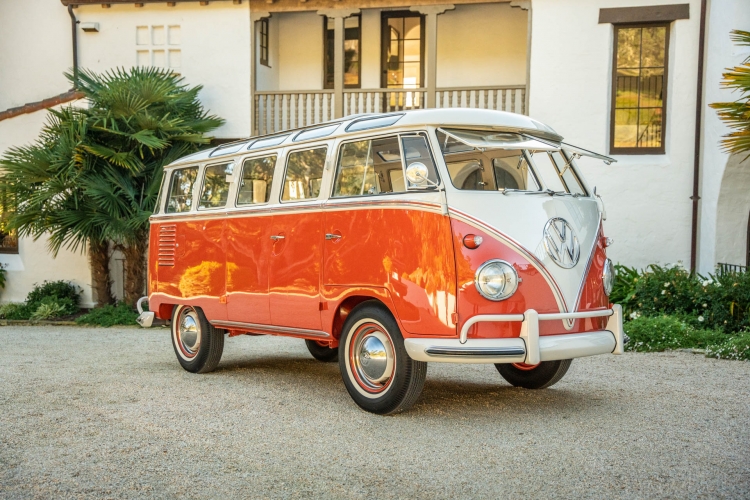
[110, 413]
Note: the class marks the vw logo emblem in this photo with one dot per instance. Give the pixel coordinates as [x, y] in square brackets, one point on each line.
[561, 243]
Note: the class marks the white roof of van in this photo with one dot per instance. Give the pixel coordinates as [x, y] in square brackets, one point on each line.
[453, 117]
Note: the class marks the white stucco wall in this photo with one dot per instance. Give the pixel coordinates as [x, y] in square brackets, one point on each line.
[300, 51]
[725, 194]
[646, 196]
[34, 263]
[35, 50]
[483, 44]
[214, 44]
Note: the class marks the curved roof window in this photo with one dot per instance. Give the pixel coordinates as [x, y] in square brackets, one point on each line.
[370, 123]
[315, 133]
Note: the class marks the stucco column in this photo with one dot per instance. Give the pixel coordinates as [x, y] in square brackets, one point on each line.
[254, 18]
[338, 16]
[526, 5]
[431, 12]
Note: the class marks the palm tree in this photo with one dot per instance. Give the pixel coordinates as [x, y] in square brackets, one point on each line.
[43, 182]
[93, 176]
[736, 114]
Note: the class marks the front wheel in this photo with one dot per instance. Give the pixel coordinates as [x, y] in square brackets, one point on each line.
[541, 376]
[196, 342]
[378, 373]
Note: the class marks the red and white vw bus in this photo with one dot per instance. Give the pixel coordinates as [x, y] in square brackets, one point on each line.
[386, 241]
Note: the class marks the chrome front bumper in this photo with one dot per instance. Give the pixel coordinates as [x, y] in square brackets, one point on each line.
[529, 348]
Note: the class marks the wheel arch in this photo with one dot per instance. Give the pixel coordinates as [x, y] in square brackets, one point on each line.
[350, 302]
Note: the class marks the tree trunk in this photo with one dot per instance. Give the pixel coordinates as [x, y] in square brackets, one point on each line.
[135, 271]
[102, 284]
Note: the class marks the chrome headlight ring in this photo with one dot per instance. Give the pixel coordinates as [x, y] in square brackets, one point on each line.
[608, 276]
[496, 280]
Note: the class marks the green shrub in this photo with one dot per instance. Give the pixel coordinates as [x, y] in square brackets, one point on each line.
[721, 301]
[109, 315]
[736, 347]
[15, 311]
[62, 293]
[658, 333]
[48, 310]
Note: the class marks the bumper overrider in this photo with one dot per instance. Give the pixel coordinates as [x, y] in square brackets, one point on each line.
[529, 348]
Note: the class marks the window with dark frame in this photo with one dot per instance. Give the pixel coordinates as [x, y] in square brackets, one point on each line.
[264, 42]
[639, 89]
[352, 52]
[402, 57]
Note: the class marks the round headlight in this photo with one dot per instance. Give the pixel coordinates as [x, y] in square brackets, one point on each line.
[608, 276]
[496, 280]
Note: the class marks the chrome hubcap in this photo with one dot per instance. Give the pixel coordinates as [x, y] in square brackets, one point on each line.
[189, 332]
[372, 357]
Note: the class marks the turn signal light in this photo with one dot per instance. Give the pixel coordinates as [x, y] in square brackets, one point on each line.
[472, 241]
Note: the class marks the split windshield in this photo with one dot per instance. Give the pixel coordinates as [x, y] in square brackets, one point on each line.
[503, 162]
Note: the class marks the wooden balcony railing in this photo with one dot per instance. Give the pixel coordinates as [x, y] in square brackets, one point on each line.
[281, 110]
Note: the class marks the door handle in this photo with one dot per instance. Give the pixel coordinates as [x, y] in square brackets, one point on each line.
[330, 236]
[277, 237]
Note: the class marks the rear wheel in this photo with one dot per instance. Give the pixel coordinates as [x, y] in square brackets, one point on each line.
[196, 342]
[541, 376]
[322, 352]
[378, 373]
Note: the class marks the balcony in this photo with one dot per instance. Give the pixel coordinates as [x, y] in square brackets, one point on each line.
[281, 110]
[313, 66]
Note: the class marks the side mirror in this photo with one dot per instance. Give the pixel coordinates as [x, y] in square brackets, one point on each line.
[416, 174]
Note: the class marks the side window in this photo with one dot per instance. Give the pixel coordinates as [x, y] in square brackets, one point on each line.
[512, 172]
[547, 170]
[304, 172]
[215, 190]
[369, 167]
[568, 175]
[181, 190]
[256, 181]
[417, 150]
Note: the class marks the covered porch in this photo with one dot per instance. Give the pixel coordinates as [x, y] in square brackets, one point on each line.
[313, 65]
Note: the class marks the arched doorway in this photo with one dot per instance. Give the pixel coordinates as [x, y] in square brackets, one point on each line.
[733, 213]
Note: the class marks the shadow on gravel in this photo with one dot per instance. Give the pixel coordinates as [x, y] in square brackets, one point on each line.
[438, 397]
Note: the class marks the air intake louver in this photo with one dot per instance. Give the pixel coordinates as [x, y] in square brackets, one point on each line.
[167, 244]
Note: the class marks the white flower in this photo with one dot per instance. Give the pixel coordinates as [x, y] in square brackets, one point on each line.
[700, 318]
[705, 305]
[634, 315]
[663, 292]
[666, 285]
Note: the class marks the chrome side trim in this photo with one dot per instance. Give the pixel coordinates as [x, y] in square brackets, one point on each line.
[475, 351]
[279, 330]
[267, 210]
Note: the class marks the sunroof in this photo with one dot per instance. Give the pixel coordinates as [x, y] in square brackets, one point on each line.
[268, 142]
[315, 133]
[227, 149]
[370, 123]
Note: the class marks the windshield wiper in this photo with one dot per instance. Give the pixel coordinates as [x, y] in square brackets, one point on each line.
[523, 191]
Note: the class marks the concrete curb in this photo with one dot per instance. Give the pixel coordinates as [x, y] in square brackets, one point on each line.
[23, 322]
